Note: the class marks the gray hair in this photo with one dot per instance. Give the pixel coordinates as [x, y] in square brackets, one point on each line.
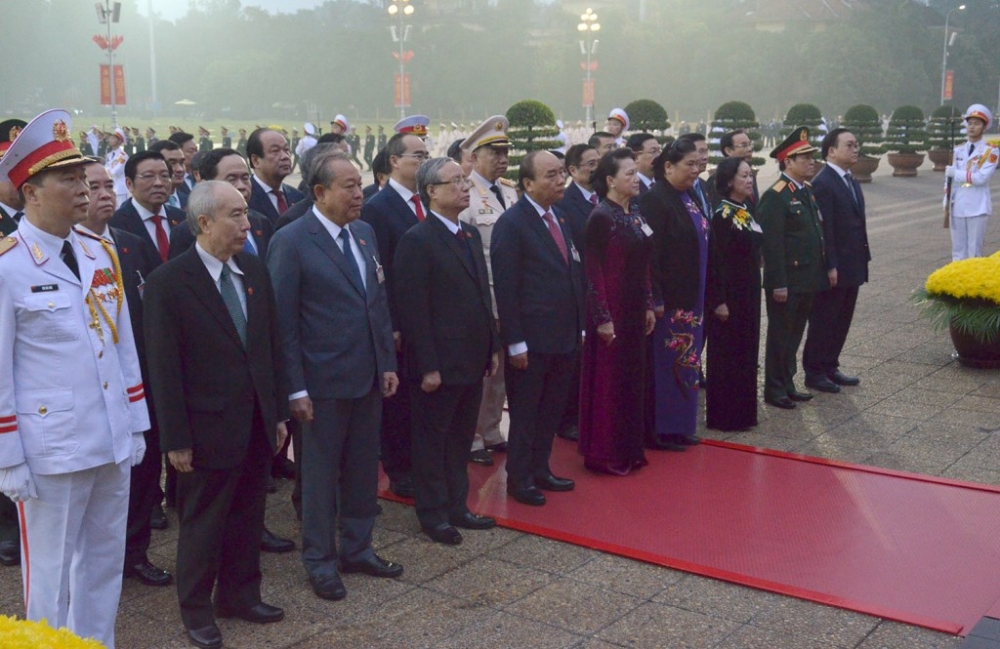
[309, 157]
[428, 174]
[204, 199]
[322, 171]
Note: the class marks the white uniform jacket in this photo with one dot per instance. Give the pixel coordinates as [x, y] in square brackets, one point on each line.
[970, 190]
[483, 211]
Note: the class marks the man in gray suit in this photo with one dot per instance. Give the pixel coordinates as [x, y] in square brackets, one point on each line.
[340, 360]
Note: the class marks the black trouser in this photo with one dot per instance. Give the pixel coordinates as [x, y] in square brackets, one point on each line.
[829, 324]
[144, 496]
[9, 527]
[786, 322]
[396, 428]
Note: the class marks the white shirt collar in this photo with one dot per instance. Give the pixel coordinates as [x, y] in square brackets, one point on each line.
[840, 172]
[106, 235]
[263, 185]
[330, 226]
[453, 227]
[145, 214]
[583, 190]
[214, 265]
[402, 191]
[645, 180]
[538, 208]
[51, 244]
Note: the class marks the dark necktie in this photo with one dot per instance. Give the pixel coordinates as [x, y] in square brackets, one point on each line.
[972, 147]
[69, 258]
[232, 301]
[499, 194]
[17, 216]
[345, 238]
[415, 199]
[557, 234]
[849, 179]
[593, 199]
[162, 240]
[282, 203]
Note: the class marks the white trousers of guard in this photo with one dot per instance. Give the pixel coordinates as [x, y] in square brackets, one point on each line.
[967, 233]
[73, 549]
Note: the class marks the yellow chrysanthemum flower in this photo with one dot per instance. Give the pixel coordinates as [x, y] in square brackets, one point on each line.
[25, 634]
[976, 278]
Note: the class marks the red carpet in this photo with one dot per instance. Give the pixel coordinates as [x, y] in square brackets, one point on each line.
[911, 548]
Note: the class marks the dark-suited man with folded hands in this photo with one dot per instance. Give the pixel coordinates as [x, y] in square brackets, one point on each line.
[340, 361]
[212, 349]
[537, 279]
[442, 298]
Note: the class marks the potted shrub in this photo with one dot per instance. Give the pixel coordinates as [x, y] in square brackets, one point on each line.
[728, 117]
[964, 296]
[866, 125]
[906, 140]
[647, 116]
[532, 127]
[943, 128]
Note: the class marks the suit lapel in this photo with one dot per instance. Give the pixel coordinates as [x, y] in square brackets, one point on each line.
[537, 223]
[255, 306]
[453, 243]
[369, 254]
[399, 207]
[322, 238]
[208, 294]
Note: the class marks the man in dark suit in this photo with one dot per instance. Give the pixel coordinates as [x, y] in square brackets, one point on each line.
[442, 299]
[391, 212]
[842, 206]
[188, 147]
[271, 161]
[137, 262]
[734, 144]
[146, 214]
[337, 352]
[646, 148]
[211, 327]
[793, 265]
[579, 199]
[537, 279]
[175, 162]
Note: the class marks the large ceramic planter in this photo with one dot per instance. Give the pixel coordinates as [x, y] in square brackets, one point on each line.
[864, 168]
[973, 352]
[905, 165]
[940, 157]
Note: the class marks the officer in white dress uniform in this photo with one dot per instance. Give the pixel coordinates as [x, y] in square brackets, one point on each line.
[489, 147]
[971, 205]
[617, 125]
[114, 162]
[72, 405]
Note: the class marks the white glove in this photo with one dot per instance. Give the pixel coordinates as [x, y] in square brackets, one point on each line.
[138, 448]
[16, 483]
[949, 171]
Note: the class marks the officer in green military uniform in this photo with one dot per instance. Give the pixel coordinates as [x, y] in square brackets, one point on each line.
[793, 264]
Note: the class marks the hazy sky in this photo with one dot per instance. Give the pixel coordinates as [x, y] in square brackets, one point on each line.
[174, 9]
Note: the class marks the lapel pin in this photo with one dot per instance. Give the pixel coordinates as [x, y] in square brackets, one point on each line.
[249, 290]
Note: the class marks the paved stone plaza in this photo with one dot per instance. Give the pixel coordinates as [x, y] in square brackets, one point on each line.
[915, 410]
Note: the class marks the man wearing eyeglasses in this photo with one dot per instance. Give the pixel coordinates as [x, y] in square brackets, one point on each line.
[445, 310]
[646, 148]
[147, 214]
[734, 144]
[391, 212]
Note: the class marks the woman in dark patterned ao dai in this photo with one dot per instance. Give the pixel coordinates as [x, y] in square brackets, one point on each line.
[619, 317]
[734, 323]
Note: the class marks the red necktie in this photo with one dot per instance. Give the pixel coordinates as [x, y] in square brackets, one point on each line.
[593, 199]
[420, 208]
[557, 234]
[282, 203]
[162, 240]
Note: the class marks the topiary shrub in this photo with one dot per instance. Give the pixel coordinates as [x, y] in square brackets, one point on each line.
[805, 115]
[944, 127]
[866, 125]
[731, 116]
[907, 131]
[645, 115]
[532, 127]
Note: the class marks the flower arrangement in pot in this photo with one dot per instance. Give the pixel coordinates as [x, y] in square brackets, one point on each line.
[25, 634]
[964, 296]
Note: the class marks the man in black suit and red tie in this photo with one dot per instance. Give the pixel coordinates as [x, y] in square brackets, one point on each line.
[442, 298]
[537, 279]
[579, 199]
[845, 236]
[271, 161]
[146, 214]
[391, 212]
[213, 350]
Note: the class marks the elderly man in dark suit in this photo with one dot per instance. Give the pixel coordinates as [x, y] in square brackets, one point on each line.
[338, 355]
[646, 148]
[391, 212]
[537, 279]
[842, 206]
[442, 298]
[137, 261]
[212, 345]
[146, 214]
[271, 161]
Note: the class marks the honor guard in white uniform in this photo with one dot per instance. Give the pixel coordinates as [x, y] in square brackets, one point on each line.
[617, 125]
[491, 195]
[971, 204]
[115, 161]
[72, 403]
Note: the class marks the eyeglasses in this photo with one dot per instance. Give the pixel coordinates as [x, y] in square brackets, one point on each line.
[745, 145]
[419, 155]
[460, 182]
[147, 177]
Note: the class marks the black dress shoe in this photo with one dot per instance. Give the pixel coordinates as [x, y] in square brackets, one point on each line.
[572, 433]
[470, 521]
[552, 483]
[444, 533]
[781, 402]
[795, 395]
[283, 468]
[207, 637]
[689, 440]
[482, 456]
[658, 444]
[331, 588]
[374, 566]
[10, 553]
[842, 379]
[158, 519]
[499, 447]
[260, 614]
[527, 496]
[270, 486]
[149, 574]
[403, 487]
[270, 542]
[822, 384]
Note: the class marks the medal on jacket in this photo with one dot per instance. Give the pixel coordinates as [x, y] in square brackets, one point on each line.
[106, 286]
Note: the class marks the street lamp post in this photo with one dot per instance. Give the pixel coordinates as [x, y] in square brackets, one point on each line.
[588, 28]
[108, 14]
[944, 51]
[400, 32]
